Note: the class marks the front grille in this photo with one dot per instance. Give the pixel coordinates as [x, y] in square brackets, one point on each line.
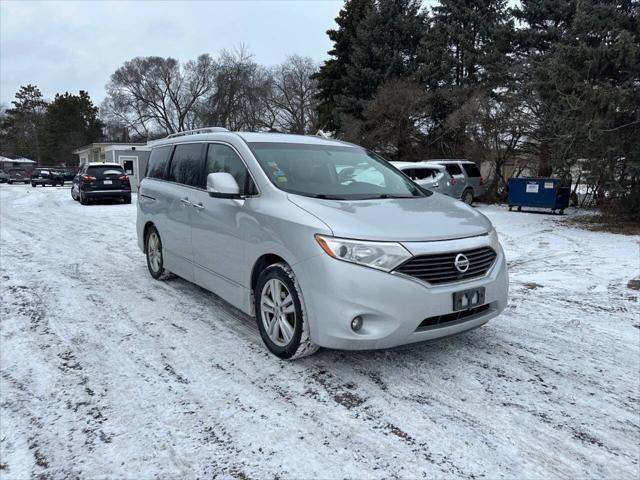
[439, 268]
[449, 318]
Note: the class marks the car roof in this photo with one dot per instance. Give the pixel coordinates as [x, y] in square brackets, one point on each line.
[448, 161]
[103, 164]
[250, 137]
[402, 165]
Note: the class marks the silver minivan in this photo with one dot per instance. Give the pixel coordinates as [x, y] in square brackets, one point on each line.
[324, 242]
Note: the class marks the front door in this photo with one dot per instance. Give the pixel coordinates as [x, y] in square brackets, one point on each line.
[217, 227]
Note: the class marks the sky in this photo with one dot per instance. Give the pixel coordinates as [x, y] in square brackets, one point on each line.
[74, 45]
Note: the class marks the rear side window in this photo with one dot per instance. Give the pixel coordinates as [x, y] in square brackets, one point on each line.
[186, 164]
[453, 169]
[103, 172]
[471, 169]
[423, 173]
[158, 160]
[222, 158]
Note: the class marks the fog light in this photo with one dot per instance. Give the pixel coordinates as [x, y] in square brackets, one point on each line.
[356, 323]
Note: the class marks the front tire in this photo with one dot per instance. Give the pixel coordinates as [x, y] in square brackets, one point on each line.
[153, 250]
[467, 196]
[281, 314]
[33, 185]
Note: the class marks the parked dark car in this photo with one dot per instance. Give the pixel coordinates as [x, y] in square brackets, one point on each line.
[18, 175]
[101, 181]
[45, 176]
[68, 175]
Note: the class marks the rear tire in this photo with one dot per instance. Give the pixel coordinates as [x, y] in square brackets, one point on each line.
[467, 196]
[33, 185]
[127, 200]
[73, 195]
[281, 314]
[83, 200]
[153, 250]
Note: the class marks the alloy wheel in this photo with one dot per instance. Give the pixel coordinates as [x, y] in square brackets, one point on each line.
[278, 312]
[154, 252]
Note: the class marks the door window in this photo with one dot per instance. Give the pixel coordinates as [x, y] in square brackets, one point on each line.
[186, 164]
[222, 158]
[158, 160]
[423, 173]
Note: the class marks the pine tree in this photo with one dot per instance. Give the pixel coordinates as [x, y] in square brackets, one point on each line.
[24, 123]
[71, 121]
[464, 55]
[332, 74]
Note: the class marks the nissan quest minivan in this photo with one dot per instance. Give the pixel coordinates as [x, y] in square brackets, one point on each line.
[324, 242]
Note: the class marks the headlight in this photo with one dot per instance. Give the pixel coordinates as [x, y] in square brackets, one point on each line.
[381, 255]
[493, 240]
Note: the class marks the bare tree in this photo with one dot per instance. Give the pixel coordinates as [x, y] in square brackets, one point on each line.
[241, 90]
[148, 94]
[293, 101]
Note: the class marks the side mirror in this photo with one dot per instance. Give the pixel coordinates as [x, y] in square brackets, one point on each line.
[222, 185]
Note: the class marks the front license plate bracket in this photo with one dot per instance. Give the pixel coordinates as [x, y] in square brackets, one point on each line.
[467, 299]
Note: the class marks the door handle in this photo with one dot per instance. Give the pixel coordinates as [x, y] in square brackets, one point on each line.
[436, 185]
[198, 206]
[186, 201]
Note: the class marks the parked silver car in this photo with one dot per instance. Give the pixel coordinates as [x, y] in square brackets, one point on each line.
[429, 175]
[360, 260]
[467, 181]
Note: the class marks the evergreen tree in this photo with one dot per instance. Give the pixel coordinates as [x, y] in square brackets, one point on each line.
[384, 49]
[464, 56]
[332, 75]
[22, 129]
[71, 121]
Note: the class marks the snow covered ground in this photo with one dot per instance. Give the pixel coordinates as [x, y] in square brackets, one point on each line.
[106, 373]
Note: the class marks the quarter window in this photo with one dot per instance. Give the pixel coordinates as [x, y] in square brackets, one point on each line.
[186, 164]
[158, 160]
[471, 169]
[222, 158]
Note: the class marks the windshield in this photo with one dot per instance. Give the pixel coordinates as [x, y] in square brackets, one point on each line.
[333, 172]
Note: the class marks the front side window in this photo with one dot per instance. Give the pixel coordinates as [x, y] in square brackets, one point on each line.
[222, 158]
[158, 160]
[332, 171]
[186, 164]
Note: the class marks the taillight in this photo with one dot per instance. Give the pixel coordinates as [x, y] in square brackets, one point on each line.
[88, 178]
[481, 180]
[124, 178]
[453, 181]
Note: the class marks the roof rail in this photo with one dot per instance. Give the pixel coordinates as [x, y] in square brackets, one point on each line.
[197, 130]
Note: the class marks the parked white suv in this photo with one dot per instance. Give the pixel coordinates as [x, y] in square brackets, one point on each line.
[326, 243]
[467, 181]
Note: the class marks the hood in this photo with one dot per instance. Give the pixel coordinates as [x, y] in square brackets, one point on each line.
[436, 217]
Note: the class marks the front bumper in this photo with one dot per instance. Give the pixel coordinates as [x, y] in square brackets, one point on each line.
[392, 306]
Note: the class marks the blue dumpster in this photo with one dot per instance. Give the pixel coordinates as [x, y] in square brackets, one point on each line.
[538, 193]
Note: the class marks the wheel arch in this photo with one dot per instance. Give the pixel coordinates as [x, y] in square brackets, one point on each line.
[146, 228]
[260, 264]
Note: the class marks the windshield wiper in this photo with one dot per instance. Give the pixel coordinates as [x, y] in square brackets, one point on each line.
[386, 195]
[328, 197]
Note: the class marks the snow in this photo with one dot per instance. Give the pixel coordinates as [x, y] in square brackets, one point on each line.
[107, 373]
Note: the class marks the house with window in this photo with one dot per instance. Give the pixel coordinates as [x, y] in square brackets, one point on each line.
[132, 156]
